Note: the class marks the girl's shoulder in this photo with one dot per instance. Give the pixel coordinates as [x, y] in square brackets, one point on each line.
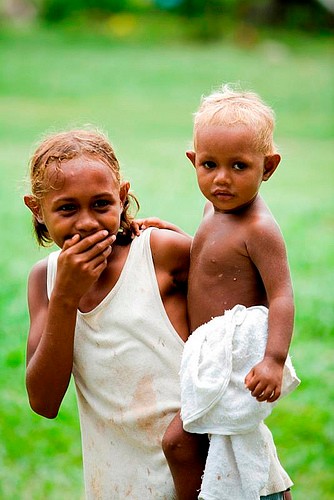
[170, 250]
[37, 287]
[39, 268]
[168, 241]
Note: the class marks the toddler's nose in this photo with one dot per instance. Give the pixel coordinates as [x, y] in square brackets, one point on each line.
[222, 176]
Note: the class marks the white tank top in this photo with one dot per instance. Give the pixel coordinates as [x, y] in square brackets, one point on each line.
[126, 361]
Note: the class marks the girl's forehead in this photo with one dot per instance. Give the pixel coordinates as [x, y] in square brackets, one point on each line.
[83, 160]
[81, 164]
[81, 170]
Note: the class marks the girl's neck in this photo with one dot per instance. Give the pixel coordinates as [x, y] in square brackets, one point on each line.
[107, 280]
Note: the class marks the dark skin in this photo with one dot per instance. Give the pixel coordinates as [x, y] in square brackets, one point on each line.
[235, 274]
[223, 294]
[238, 256]
[186, 452]
[83, 217]
[220, 265]
[50, 343]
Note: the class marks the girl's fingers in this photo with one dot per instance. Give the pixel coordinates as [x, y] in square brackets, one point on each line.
[90, 245]
[100, 249]
[71, 242]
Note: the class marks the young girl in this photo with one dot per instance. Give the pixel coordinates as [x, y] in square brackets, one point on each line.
[109, 307]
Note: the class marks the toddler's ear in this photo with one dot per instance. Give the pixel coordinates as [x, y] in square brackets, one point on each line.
[271, 162]
[191, 155]
[34, 207]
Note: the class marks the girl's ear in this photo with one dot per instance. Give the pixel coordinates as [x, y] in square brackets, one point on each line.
[270, 164]
[35, 207]
[191, 155]
[123, 190]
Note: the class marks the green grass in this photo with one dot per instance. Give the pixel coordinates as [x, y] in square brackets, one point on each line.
[144, 95]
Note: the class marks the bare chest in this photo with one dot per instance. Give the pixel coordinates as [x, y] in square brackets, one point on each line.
[222, 274]
[220, 254]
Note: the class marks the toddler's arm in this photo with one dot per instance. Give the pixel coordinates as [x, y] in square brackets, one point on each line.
[144, 223]
[265, 380]
[267, 250]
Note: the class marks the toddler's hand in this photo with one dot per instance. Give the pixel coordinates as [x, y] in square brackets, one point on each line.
[139, 225]
[265, 380]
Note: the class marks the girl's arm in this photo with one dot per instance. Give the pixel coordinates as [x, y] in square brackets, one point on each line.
[171, 256]
[52, 323]
[50, 344]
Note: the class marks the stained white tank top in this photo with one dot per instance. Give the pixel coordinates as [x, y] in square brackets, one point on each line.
[126, 361]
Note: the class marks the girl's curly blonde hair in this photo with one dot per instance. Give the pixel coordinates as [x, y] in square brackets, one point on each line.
[67, 145]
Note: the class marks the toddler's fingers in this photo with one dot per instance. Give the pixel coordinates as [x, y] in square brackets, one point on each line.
[258, 392]
[274, 395]
[249, 379]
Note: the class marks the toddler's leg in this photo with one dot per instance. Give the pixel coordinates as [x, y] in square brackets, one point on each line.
[186, 455]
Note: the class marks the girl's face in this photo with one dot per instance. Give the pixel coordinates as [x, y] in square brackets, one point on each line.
[87, 198]
[229, 168]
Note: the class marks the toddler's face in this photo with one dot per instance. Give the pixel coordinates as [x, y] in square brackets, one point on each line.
[228, 166]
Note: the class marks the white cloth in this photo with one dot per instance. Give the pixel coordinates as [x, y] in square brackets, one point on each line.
[216, 358]
[126, 363]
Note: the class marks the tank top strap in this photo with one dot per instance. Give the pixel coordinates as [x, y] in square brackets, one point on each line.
[51, 271]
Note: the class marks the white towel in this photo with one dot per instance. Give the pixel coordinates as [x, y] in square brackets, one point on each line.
[237, 467]
[214, 400]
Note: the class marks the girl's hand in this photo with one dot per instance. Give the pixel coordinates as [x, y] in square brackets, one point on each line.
[82, 261]
[265, 380]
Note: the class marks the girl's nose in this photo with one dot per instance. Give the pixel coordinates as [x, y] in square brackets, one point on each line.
[86, 223]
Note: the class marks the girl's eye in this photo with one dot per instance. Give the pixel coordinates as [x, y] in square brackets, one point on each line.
[239, 166]
[209, 164]
[69, 207]
[101, 203]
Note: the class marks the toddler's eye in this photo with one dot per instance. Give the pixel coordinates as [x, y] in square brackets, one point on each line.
[209, 164]
[239, 165]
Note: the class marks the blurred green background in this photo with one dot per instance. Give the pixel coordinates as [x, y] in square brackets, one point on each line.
[137, 69]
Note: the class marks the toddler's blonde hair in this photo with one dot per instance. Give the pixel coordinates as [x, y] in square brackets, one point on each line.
[229, 106]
